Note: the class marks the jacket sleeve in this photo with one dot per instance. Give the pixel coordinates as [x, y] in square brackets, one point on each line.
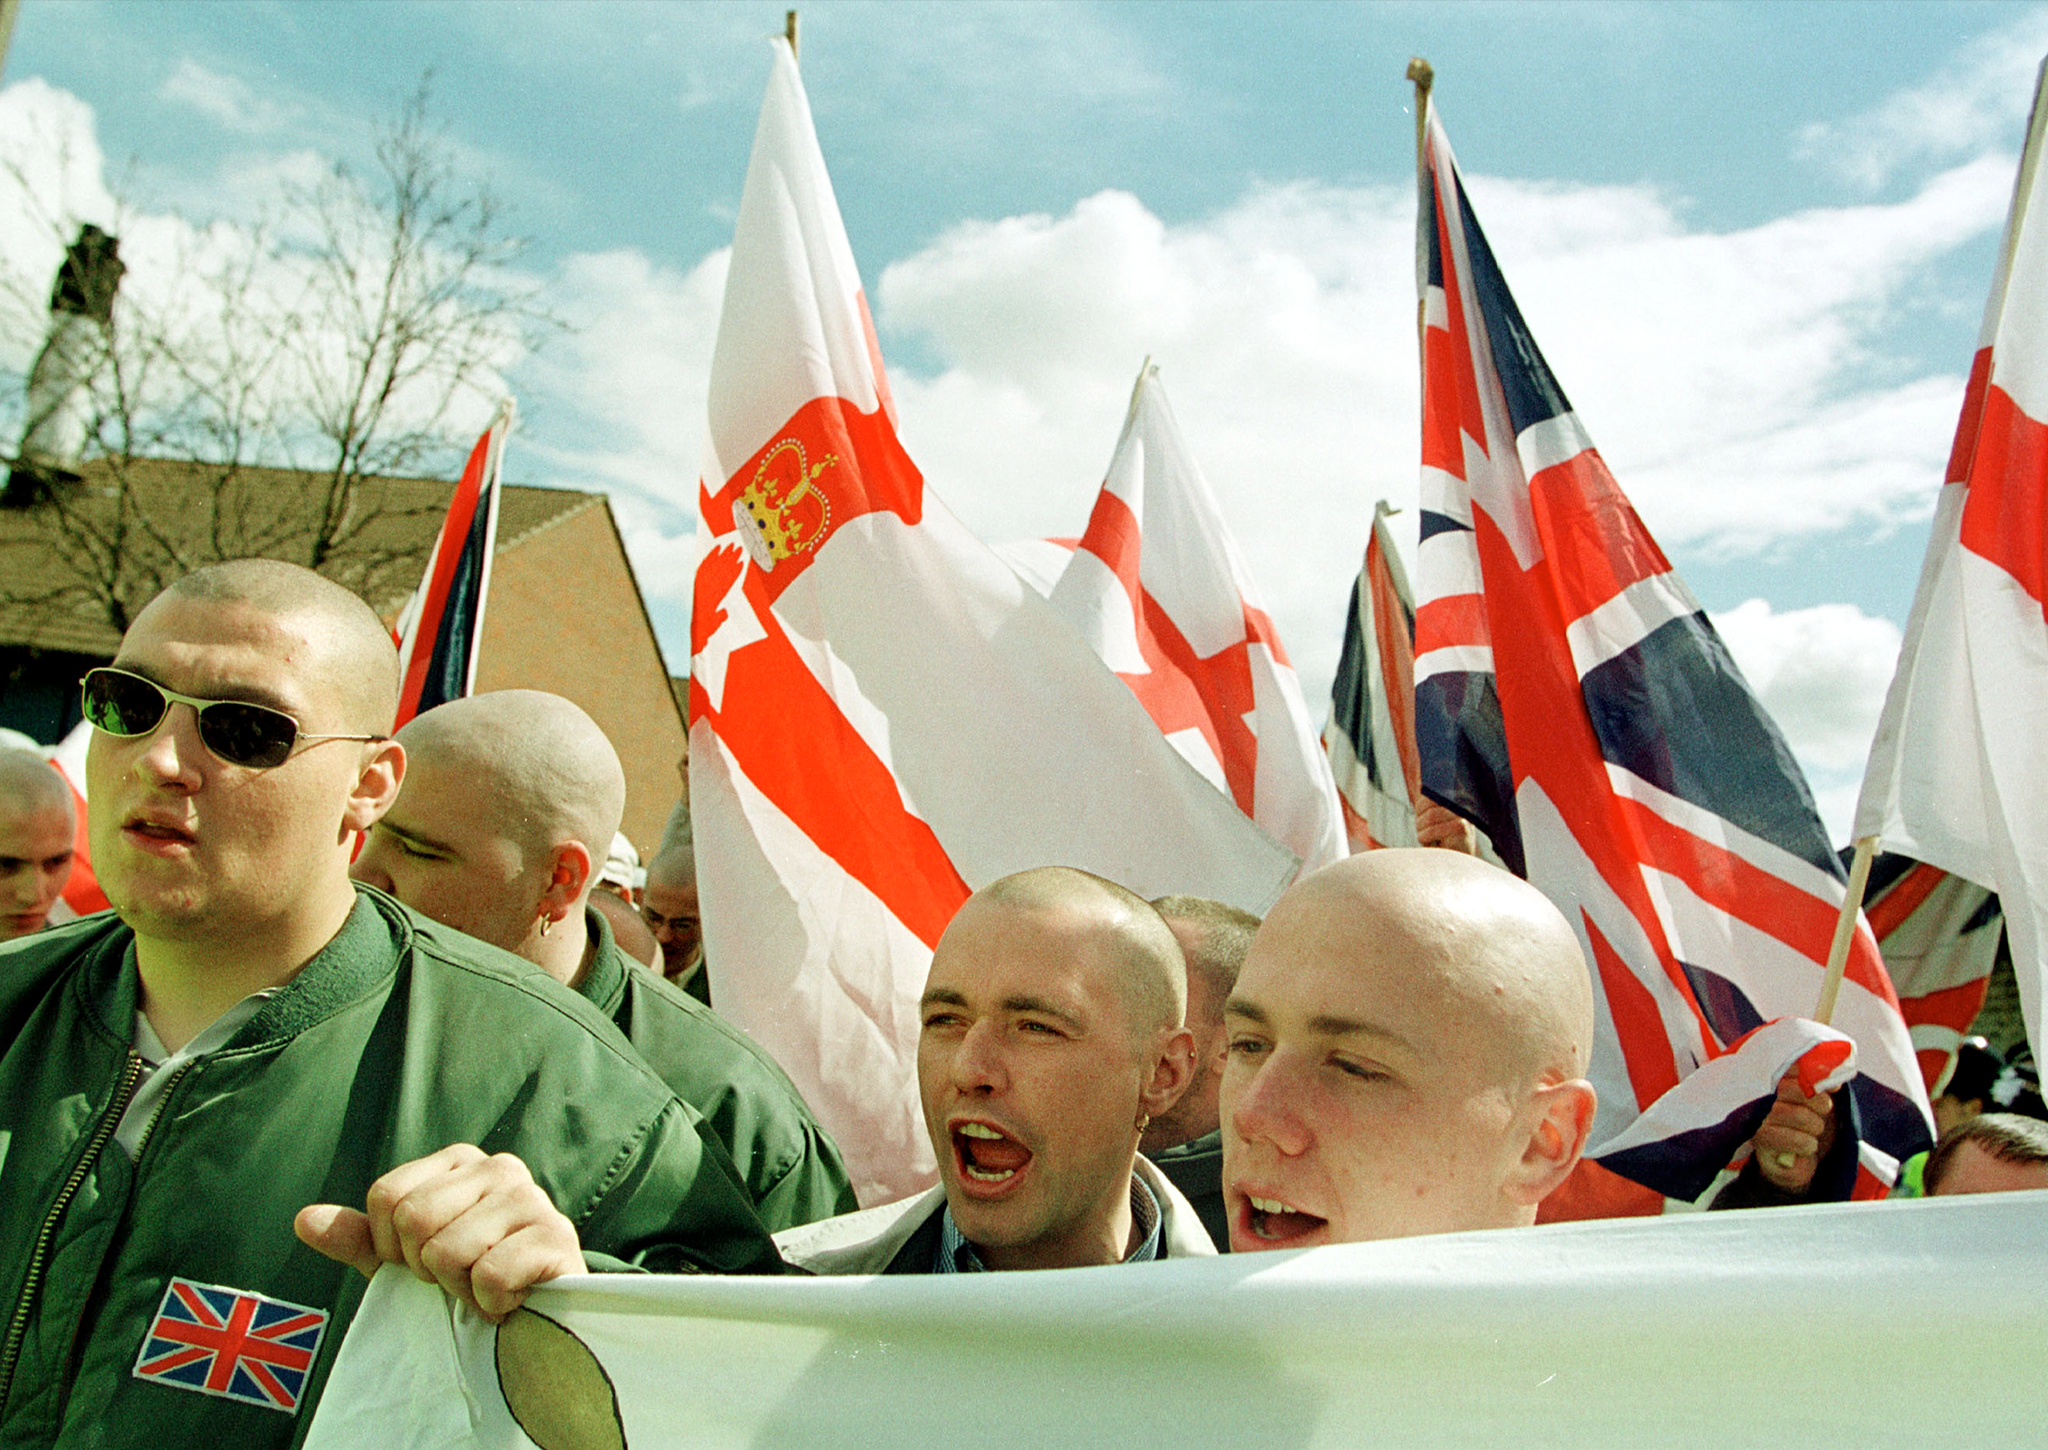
[675, 1205]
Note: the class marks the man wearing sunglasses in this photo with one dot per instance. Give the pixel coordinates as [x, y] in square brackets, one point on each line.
[249, 1034]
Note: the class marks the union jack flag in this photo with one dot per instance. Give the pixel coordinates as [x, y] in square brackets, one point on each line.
[231, 1343]
[1940, 937]
[1370, 737]
[1573, 701]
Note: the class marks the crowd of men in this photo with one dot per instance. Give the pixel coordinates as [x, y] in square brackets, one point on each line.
[370, 998]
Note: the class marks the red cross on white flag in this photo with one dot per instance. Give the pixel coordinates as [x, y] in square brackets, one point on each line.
[1158, 588]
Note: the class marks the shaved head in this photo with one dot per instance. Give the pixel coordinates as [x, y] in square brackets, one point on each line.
[510, 802]
[676, 866]
[30, 783]
[38, 826]
[668, 904]
[628, 930]
[1215, 938]
[1471, 935]
[1408, 1044]
[353, 655]
[1050, 1037]
[547, 773]
[1142, 956]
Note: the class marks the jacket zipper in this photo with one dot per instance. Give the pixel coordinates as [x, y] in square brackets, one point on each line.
[31, 1284]
[163, 1101]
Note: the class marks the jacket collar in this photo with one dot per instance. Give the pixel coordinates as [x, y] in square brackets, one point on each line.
[868, 1241]
[376, 933]
[604, 985]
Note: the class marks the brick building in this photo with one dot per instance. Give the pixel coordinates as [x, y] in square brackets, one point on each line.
[564, 614]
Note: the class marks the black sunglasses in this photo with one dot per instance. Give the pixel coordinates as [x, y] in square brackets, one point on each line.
[238, 732]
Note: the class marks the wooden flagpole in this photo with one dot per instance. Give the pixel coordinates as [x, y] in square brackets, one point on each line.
[1845, 929]
[1838, 950]
[789, 33]
[1424, 77]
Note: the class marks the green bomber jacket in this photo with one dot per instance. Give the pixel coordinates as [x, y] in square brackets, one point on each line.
[399, 1038]
[790, 1164]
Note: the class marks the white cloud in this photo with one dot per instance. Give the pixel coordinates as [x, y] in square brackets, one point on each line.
[226, 99]
[1975, 102]
[1727, 376]
[1822, 673]
[621, 398]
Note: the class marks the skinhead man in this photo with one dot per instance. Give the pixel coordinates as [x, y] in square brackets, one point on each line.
[1990, 1153]
[668, 904]
[250, 1034]
[1408, 1044]
[1186, 1141]
[38, 827]
[496, 832]
[1051, 1034]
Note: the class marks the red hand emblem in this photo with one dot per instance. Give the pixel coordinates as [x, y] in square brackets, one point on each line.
[720, 570]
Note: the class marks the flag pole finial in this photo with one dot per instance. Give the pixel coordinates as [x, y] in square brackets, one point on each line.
[789, 32]
[1424, 77]
[1423, 74]
[1144, 372]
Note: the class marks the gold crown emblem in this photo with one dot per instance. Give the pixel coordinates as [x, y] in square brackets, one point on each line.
[782, 512]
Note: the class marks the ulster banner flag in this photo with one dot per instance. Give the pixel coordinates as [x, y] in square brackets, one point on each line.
[1958, 772]
[1156, 586]
[1371, 735]
[882, 715]
[1573, 700]
[443, 623]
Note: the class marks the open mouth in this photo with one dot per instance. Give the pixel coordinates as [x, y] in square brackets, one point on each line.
[987, 1155]
[1271, 1221]
[158, 831]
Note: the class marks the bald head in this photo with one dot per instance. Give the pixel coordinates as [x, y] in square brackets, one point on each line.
[1215, 938]
[509, 804]
[352, 654]
[545, 772]
[1138, 951]
[1050, 1037]
[1409, 1039]
[674, 867]
[28, 782]
[38, 825]
[1470, 935]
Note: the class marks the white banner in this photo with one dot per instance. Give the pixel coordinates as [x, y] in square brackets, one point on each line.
[1907, 1323]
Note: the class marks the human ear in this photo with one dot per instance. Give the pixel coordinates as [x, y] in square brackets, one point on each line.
[1173, 1068]
[376, 785]
[571, 872]
[1561, 1120]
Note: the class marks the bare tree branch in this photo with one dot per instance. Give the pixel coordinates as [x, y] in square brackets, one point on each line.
[358, 333]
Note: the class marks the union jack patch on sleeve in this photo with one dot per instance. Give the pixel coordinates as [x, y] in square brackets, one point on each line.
[231, 1343]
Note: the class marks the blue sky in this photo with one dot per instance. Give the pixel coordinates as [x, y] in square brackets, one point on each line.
[1753, 239]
